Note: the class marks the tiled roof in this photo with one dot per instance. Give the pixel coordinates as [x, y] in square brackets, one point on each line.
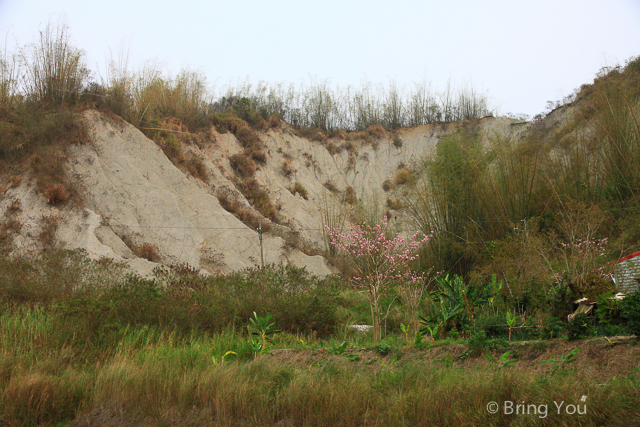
[633, 255]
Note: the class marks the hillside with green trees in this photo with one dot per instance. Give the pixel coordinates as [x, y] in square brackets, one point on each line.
[451, 281]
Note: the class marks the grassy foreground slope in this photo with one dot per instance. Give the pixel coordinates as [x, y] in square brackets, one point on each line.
[178, 351]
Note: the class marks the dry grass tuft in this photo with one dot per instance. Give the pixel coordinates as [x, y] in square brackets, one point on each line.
[311, 133]
[147, 251]
[48, 233]
[196, 167]
[332, 148]
[258, 197]
[394, 204]
[37, 398]
[15, 181]
[275, 121]
[247, 216]
[331, 187]
[14, 207]
[56, 194]
[376, 131]
[351, 161]
[259, 156]
[243, 165]
[404, 175]
[397, 140]
[350, 195]
[287, 170]
[299, 189]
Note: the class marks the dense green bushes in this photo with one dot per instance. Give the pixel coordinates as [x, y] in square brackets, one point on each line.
[300, 302]
[94, 304]
[579, 327]
[631, 312]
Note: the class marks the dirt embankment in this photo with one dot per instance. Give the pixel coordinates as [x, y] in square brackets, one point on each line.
[599, 358]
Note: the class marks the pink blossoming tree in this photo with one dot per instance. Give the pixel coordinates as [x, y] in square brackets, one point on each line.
[379, 261]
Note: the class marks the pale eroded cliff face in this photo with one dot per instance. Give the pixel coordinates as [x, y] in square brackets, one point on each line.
[132, 195]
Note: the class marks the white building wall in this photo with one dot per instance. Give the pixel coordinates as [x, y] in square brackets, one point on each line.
[627, 275]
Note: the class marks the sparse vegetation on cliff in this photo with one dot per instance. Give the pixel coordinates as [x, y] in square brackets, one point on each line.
[299, 189]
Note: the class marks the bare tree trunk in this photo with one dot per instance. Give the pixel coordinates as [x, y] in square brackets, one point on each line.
[375, 312]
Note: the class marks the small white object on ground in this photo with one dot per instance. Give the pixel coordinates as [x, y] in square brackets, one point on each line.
[362, 328]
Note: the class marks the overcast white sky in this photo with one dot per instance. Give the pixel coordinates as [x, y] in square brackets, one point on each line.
[524, 53]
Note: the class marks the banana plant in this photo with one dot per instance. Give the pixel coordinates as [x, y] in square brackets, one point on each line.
[219, 361]
[511, 321]
[502, 361]
[405, 330]
[258, 349]
[444, 315]
[337, 349]
[262, 327]
[432, 332]
[340, 350]
[564, 360]
[448, 313]
[393, 362]
[460, 298]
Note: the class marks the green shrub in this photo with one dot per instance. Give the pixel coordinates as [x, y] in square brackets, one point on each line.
[384, 347]
[610, 330]
[88, 321]
[246, 111]
[631, 312]
[188, 303]
[477, 343]
[579, 327]
[54, 277]
[552, 328]
[608, 309]
[301, 302]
